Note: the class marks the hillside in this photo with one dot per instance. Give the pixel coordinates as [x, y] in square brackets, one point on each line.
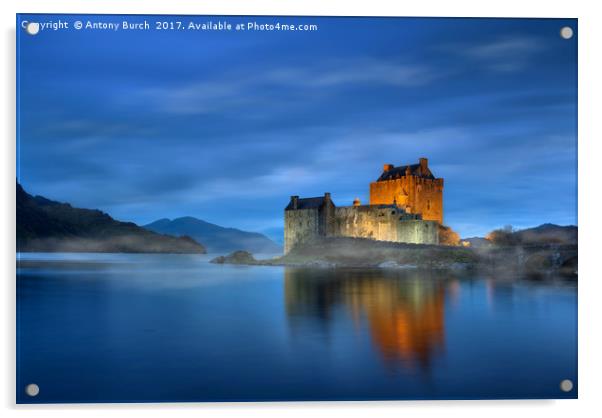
[216, 238]
[549, 233]
[539, 235]
[47, 226]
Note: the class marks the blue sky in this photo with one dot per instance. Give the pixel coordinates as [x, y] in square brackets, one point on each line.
[225, 126]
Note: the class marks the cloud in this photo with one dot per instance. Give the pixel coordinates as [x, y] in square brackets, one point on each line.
[89, 129]
[354, 72]
[503, 54]
[505, 47]
[282, 88]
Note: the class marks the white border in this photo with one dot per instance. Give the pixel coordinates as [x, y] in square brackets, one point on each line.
[590, 135]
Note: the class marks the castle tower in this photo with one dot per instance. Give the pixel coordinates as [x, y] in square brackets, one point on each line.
[306, 219]
[412, 187]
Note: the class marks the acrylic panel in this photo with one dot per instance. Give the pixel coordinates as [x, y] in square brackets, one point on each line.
[245, 208]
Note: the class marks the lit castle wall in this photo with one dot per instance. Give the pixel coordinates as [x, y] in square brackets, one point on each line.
[412, 187]
[406, 205]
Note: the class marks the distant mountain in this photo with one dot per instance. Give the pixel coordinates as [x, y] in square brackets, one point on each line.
[216, 238]
[540, 235]
[548, 233]
[477, 242]
[47, 226]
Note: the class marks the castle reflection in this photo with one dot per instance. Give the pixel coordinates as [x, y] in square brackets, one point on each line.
[403, 310]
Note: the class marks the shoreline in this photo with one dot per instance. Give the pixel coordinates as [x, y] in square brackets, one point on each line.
[545, 260]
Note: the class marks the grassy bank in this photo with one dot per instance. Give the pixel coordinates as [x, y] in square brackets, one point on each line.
[534, 260]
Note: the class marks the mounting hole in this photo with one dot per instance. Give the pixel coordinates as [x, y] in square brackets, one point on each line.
[32, 28]
[566, 385]
[32, 389]
[566, 32]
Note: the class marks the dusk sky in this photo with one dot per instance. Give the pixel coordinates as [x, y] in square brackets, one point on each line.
[226, 126]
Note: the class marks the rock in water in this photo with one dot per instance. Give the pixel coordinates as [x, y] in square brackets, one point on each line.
[237, 257]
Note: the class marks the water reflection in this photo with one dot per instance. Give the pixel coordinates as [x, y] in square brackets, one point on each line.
[402, 310]
[202, 331]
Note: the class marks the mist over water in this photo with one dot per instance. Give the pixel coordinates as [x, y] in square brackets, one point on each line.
[119, 328]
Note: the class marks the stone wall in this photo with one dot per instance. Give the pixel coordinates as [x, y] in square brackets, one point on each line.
[416, 194]
[418, 232]
[300, 226]
[366, 222]
[383, 224]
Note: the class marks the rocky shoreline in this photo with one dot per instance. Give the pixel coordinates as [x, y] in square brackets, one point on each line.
[538, 261]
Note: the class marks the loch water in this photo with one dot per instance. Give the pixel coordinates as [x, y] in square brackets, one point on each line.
[169, 328]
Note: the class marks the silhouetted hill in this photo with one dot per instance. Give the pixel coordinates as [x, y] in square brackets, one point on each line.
[216, 238]
[542, 234]
[548, 233]
[47, 226]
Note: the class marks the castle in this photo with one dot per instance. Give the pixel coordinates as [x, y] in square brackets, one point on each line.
[406, 205]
